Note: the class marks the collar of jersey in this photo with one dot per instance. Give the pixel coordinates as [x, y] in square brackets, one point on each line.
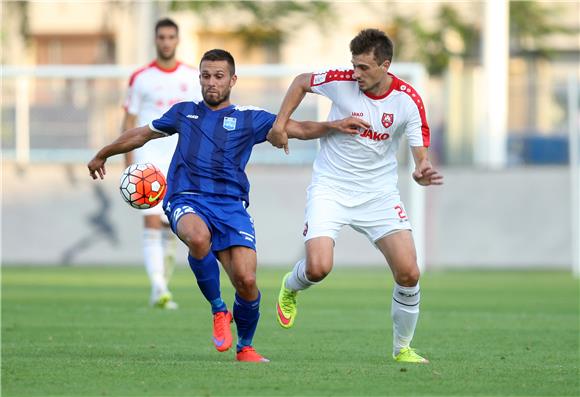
[227, 108]
[165, 70]
[394, 84]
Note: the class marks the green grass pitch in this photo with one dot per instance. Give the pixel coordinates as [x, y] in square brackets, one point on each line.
[86, 331]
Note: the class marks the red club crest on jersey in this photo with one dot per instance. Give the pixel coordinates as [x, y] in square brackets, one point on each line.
[388, 119]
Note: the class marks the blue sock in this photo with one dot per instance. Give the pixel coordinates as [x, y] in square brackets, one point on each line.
[207, 273]
[246, 315]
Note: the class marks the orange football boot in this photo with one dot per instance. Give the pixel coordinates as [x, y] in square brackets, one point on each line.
[222, 333]
[249, 355]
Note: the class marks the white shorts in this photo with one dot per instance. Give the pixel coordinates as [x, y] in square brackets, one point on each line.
[328, 210]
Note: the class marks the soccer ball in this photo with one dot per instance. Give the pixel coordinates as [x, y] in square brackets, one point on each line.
[143, 185]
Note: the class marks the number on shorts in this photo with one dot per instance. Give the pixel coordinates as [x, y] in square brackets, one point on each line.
[400, 211]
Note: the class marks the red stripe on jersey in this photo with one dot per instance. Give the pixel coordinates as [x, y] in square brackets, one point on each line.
[137, 73]
[386, 94]
[166, 70]
[153, 64]
[405, 87]
[331, 75]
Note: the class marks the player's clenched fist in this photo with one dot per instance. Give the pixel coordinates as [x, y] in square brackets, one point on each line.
[278, 137]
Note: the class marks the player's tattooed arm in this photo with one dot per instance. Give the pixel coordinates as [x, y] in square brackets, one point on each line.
[129, 140]
[129, 122]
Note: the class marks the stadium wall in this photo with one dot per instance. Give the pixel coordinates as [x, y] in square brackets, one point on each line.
[516, 218]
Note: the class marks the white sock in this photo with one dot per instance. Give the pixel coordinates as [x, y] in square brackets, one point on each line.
[405, 312]
[297, 281]
[169, 248]
[153, 255]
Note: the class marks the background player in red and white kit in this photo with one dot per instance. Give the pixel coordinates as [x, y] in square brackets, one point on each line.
[153, 89]
[354, 179]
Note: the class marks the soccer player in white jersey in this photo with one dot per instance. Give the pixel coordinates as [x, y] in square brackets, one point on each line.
[354, 179]
[153, 89]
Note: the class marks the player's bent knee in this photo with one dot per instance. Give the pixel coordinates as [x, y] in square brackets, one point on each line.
[408, 278]
[317, 272]
[245, 284]
[198, 245]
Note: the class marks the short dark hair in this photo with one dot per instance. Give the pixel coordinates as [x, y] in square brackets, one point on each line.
[373, 40]
[220, 55]
[166, 23]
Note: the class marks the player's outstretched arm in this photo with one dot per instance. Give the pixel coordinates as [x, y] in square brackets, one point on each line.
[312, 129]
[129, 122]
[300, 86]
[424, 173]
[129, 140]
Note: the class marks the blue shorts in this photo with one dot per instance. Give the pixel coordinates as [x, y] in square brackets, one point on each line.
[226, 218]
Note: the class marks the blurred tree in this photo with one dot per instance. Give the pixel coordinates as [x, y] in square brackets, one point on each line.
[18, 10]
[531, 24]
[452, 36]
[261, 23]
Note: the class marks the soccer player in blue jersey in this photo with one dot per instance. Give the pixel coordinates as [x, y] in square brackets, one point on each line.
[208, 190]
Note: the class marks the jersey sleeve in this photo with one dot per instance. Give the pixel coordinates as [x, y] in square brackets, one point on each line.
[262, 122]
[330, 82]
[168, 123]
[417, 130]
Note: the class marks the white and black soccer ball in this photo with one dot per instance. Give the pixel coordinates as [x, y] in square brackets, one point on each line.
[143, 185]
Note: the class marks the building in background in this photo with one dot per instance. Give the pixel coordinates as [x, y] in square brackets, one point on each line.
[62, 116]
[444, 36]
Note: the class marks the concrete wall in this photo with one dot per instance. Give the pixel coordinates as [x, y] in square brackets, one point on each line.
[55, 214]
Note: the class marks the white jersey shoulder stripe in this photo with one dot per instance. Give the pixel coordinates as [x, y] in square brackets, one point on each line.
[244, 108]
[152, 128]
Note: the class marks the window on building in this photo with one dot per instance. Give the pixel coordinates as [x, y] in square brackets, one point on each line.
[74, 49]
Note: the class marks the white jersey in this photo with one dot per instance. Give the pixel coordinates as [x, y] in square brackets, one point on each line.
[366, 162]
[152, 91]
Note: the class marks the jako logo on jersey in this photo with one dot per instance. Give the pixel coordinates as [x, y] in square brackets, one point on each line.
[192, 116]
[357, 114]
[375, 136]
[230, 123]
[305, 229]
[388, 119]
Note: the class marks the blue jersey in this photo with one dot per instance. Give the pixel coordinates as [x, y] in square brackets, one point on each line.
[214, 147]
